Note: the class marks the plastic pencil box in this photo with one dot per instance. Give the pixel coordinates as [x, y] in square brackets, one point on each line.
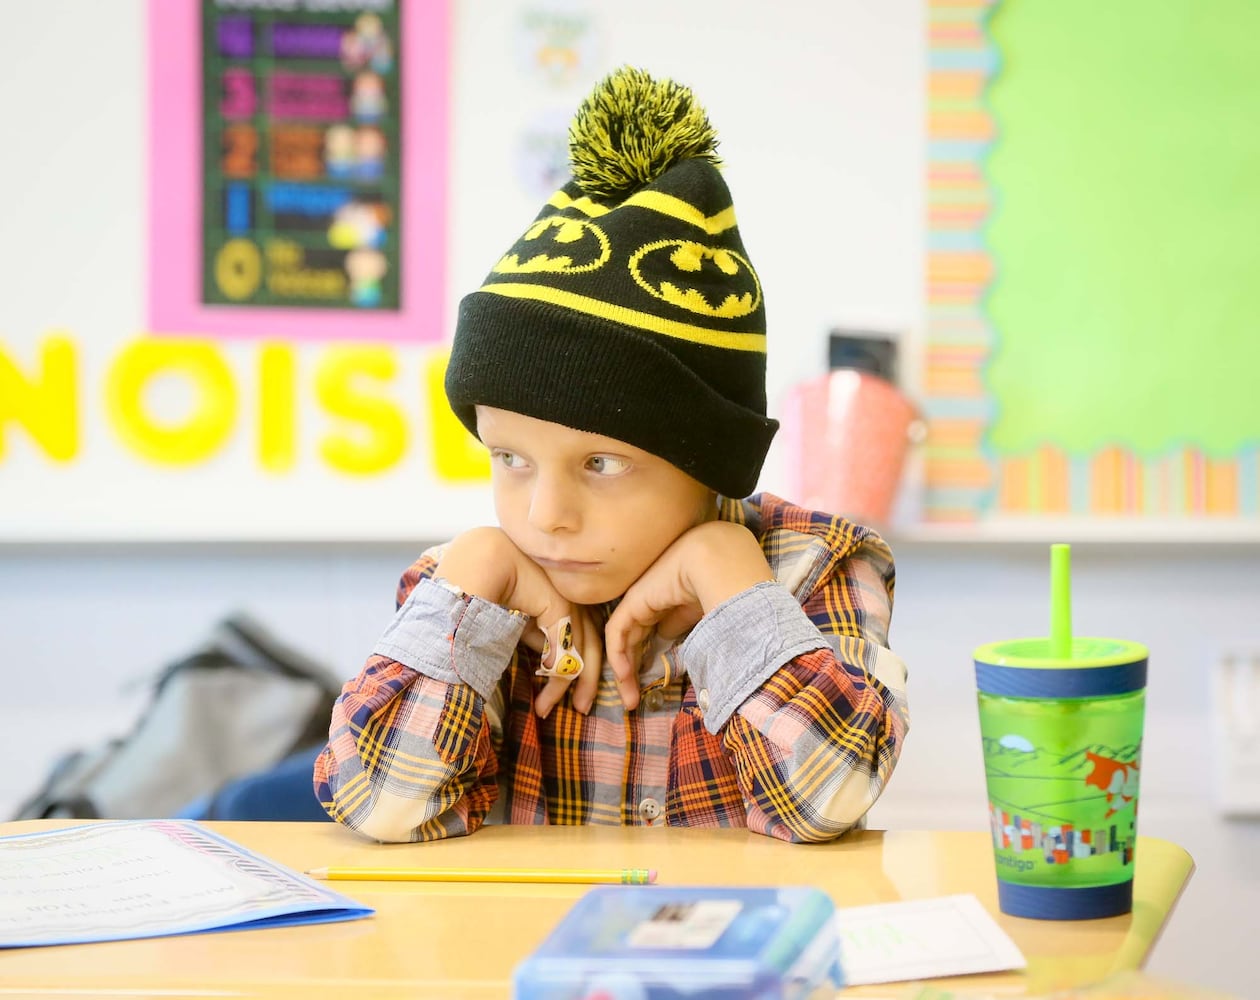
[693, 942]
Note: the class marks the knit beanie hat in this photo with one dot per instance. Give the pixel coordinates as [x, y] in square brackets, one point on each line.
[629, 307]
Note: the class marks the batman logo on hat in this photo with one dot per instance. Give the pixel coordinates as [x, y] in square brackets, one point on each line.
[679, 271]
[557, 245]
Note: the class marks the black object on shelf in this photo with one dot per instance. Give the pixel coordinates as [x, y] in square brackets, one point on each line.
[866, 352]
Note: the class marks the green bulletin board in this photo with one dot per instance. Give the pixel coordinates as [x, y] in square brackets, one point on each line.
[1093, 305]
[1136, 287]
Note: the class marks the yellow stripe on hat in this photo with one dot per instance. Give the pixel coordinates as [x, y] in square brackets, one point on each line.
[655, 201]
[752, 342]
[676, 208]
[591, 209]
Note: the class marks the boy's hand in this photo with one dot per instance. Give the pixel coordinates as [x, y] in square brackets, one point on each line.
[705, 566]
[485, 563]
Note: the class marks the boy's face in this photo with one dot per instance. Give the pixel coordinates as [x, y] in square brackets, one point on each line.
[592, 511]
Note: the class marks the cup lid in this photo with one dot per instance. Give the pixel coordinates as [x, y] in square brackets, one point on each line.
[1087, 651]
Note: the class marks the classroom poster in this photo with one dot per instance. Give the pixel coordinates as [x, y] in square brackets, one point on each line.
[301, 190]
[297, 155]
[1090, 303]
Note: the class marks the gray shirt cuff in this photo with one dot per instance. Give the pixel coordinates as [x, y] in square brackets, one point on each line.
[742, 642]
[443, 634]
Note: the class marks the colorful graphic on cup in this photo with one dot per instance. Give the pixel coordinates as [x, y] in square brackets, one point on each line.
[1062, 778]
[1061, 722]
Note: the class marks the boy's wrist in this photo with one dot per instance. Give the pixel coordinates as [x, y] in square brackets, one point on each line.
[453, 637]
[717, 591]
[729, 562]
[475, 564]
[468, 587]
[732, 652]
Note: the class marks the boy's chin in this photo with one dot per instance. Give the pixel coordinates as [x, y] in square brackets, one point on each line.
[585, 590]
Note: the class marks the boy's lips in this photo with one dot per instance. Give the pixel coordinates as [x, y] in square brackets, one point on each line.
[565, 565]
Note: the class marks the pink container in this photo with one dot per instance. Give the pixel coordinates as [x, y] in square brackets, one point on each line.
[847, 434]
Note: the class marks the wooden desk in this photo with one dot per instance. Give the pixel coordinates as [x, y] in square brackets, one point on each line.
[461, 942]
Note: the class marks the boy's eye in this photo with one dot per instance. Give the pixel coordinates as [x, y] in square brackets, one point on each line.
[607, 465]
[508, 459]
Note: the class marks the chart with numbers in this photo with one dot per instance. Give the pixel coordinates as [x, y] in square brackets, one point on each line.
[301, 186]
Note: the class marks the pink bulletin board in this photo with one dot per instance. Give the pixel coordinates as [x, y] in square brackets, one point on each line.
[175, 129]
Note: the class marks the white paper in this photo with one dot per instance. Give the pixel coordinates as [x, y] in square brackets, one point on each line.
[143, 878]
[922, 939]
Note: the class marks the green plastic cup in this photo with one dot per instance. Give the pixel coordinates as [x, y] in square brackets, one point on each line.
[1062, 741]
[1061, 728]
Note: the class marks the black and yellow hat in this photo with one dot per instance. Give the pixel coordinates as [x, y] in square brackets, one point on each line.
[629, 307]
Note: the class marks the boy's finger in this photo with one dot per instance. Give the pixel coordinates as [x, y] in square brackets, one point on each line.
[622, 643]
[586, 687]
[550, 695]
[534, 638]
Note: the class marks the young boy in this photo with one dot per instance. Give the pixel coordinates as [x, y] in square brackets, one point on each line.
[630, 644]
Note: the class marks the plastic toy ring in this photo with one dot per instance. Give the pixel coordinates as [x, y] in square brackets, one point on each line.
[568, 662]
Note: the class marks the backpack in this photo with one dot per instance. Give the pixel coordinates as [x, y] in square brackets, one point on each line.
[240, 703]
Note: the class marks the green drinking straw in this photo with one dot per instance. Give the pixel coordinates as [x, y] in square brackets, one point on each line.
[1061, 601]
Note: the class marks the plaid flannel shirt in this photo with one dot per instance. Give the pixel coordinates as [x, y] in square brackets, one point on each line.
[783, 710]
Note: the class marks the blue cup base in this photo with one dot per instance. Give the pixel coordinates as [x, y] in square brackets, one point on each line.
[1044, 902]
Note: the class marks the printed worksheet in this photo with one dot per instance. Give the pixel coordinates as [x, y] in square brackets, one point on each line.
[146, 878]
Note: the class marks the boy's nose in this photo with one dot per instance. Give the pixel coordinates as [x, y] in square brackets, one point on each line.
[551, 505]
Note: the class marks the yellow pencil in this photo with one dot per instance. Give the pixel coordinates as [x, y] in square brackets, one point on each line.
[616, 876]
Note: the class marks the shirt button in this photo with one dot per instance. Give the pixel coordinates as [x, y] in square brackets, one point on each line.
[649, 810]
[702, 700]
[653, 700]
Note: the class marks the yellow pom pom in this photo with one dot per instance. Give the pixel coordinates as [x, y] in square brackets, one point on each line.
[632, 128]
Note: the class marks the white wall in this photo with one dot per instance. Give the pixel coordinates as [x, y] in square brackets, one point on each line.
[78, 623]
